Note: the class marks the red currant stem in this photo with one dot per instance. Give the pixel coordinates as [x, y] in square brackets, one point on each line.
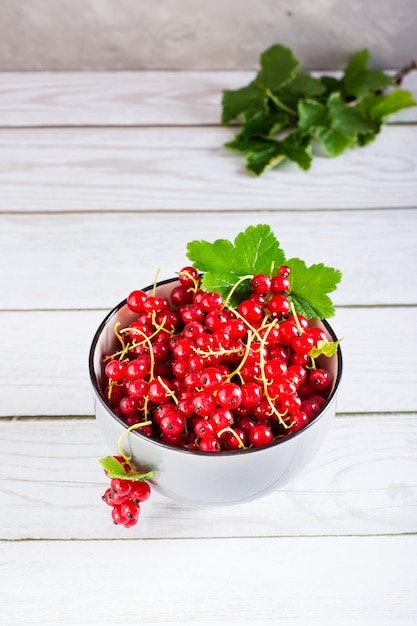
[155, 280]
[160, 326]
[146, 340]
[124, 434]
[229, 429]
[236, 372]
[118, 335]
[235, 286]
[295, 316]
[245, 321]
[193, 279]
[274, 410]
[209, 352]
[170, 391]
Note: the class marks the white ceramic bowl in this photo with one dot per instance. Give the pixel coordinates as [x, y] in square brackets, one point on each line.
[205, 477]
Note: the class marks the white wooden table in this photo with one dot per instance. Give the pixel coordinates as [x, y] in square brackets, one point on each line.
[104, 178]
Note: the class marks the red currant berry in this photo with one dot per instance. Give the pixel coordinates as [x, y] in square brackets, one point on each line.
[140, 491]
[115, 370]
[302, 344]
[192, 330]
[107, 497]
[117, 516]
[159, 391]
[137, 389]
[130, 509]
[275, 369]
[251, 311]
[319, 379]
[280, 284]
[251, 394]
[211, 301]
[136, 300]
[261, 284]
[209, 444]
[120, 486]
[138, 368]
[155, 304]
[311, 408]
[318, 335]
[278, 305]
[203, 428]
[172, 424]
[233, 439]
[284, 270]
[298, 420]
[210, 378]
[260, 435]
[189, 277]
[288, 331]
[222, 418]
[192, 313]
[128, 406]
[204, 403]
[229, 395]
[180, 296]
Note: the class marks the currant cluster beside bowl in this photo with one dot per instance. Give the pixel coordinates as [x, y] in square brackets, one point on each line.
[193, 372]
[125, 497]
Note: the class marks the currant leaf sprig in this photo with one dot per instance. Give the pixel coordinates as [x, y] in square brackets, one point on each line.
[284, 110]
[229, 267]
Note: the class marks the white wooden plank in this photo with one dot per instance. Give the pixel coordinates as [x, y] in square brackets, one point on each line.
[363, 481]
[116, 253]
[347, 580]
[45, 372]
[189, 169]
[126, 98]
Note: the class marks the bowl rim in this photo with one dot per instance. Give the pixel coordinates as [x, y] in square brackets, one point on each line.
[99, 394]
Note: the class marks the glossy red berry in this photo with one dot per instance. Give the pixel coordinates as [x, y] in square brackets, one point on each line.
[260, 435]
[229, 395]
[136, 300]
[261, 284]
[319, 379]
[115, 370]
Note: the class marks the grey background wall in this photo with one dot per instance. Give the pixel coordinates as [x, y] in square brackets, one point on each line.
[201, 34]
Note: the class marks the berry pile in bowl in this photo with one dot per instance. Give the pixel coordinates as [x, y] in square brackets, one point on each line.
[219, 385]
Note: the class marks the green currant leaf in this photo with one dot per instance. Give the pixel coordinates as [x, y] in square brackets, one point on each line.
[331, 84]
[244, 143]
[334, 141]
[236, 101]
[312, 114]
[309, 287]
[278, 67]
[115, 469]
[296, 148]
[254, 251]
[380, 106]
[327, 348]
[268, 154]
[358, 80]
[347, 119]
[305, 86]
[264, 123]
[264, 158]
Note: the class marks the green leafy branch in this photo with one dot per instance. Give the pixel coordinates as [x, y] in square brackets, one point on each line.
[284, 110]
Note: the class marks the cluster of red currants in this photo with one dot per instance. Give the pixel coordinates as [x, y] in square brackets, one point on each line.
[195, 373]
[125, 497]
